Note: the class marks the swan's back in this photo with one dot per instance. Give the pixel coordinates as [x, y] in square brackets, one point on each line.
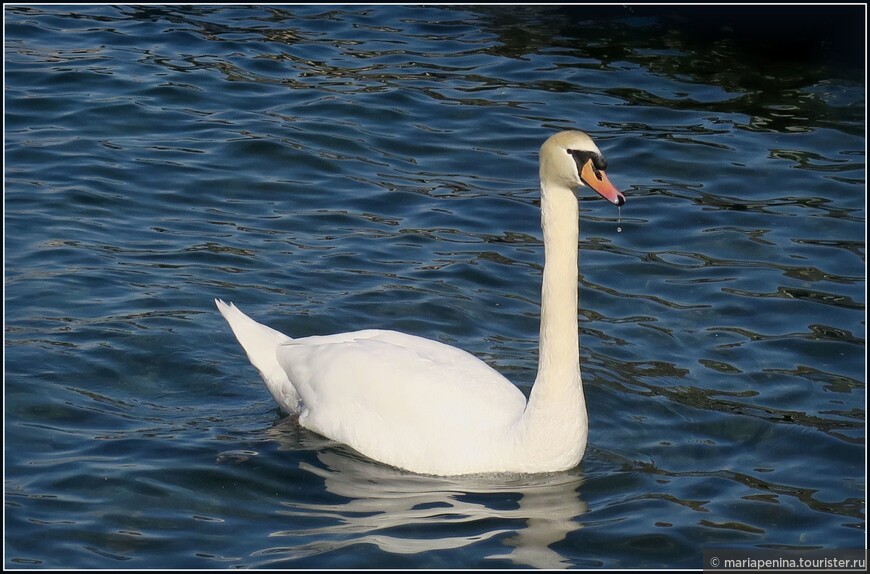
[397, 398]
[401, 399]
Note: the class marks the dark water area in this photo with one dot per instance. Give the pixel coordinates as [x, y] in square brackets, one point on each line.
[332, 168]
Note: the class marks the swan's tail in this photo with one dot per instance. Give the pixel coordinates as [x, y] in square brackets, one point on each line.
[261, 343]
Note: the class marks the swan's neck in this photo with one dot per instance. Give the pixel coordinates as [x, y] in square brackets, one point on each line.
[555, 417]
[559, 359]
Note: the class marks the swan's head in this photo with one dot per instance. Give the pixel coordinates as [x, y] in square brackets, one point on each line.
[571, 159]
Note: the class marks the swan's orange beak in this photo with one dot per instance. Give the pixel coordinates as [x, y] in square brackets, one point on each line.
[598, 181]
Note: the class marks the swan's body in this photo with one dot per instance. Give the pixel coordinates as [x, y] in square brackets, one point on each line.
[431, 408]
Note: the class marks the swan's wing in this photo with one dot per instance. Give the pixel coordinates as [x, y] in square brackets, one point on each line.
[382, 391]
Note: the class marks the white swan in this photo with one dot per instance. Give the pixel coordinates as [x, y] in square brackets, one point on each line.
[431, 408]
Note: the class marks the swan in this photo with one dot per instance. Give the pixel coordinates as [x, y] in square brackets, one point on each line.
[430, 408]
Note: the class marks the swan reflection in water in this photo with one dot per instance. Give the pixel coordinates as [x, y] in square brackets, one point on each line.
[404, 513]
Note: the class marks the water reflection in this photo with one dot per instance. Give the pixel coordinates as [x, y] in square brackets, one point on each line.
[404, 513]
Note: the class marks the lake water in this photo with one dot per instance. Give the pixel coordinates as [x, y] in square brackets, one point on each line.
[338, 168]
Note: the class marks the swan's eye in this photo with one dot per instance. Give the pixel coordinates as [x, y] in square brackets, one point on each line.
[581, 157]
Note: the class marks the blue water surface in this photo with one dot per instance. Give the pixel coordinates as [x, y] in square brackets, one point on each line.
[335, 168]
